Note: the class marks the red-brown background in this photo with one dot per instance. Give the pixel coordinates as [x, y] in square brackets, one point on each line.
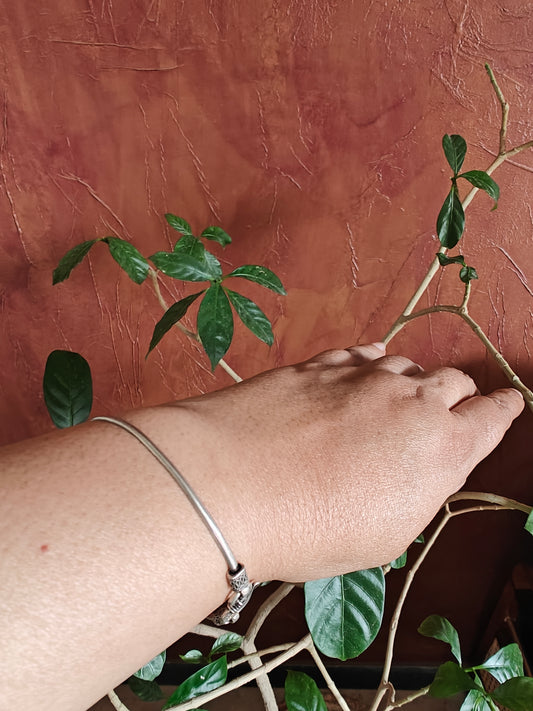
[311, 132]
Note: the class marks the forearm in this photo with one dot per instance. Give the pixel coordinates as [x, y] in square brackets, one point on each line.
[104, 562]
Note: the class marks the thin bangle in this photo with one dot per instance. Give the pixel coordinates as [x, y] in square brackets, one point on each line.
[237, 577]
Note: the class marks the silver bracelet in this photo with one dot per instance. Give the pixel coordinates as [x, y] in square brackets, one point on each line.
[240, 585]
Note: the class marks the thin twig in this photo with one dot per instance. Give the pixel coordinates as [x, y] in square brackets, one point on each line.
[384, 684]
[260, 653]
[407, 699]
[117, 703]
[266, 668]
[327, 678]
[502, 501]
[249, 648]
[208, 630]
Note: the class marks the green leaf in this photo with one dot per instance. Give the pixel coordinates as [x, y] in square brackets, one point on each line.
[302, 693]
[451, 220]
[215, 323]
[217, 234]
[129, 258]
[420, 539]
[260, 275]
[529, 523]
[153, 669]
[226, 643]
[188, 244]
[515, 694]
[67, 388]
[71, 259]
[505, 664]
[145, 690]
[467, 274]
[399, 562]
[483, 181]
[454, 147]
[178, 223]
[344, 613]
[171, 316]
[444, 260]
[188, 267]
[450, 679]
[252, 316]
[440, 628]
[194, 656]
[476, 701]
[206, 679]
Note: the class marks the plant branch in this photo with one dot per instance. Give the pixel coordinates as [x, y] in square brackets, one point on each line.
[249, 648]
[502, 156]
[208, 631]
[407, 699]
[501, 501]
[191, 334]
[117, 703]
[327, 678]
[384, 684]
[261, 653]
[265, 668]
[462, 312]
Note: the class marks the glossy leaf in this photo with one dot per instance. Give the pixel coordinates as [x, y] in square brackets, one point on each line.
[129, 258]
[454, 147]
[515, 694]
[451, 220]
[71, 259]
[450, 679]
[302, 693]
[444, 260]
[178, 223]
[171, 316]
[259, 275]
[344, 613]
[399, 562]
[217, 234]
[505, 664]
[467, 274]
[188, 267]
[229, 642]
[215, 323]
[529, 523]
[153, 669]
[67, 388]
[188, 244]
[252, 316]
[476, 701]
[145, 690]
[194, 656]
[483, 181]
[440, 628]
[206, 679]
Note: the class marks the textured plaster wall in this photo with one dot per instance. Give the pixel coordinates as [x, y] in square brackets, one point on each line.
[311, 131]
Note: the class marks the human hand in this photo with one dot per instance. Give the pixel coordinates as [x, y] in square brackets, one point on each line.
[338, 463]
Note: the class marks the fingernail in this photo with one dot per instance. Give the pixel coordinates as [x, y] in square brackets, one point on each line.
[380, 346]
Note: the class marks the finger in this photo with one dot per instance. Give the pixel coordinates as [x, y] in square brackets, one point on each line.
[399, 365]
[451, 385]
[487, 418]
[355, 355]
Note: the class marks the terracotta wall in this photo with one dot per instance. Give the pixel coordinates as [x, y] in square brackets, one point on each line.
[309, 130]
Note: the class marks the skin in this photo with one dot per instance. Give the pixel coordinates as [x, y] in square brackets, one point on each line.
[104, 563]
